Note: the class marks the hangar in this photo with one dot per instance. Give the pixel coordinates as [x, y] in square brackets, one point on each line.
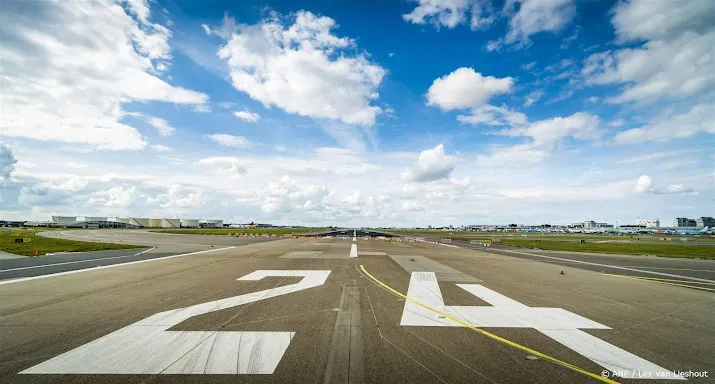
[131, 222]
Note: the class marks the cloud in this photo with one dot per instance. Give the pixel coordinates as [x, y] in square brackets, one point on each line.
[432, 164]
[494, 116]
[543, 135]
[645, 185]
[616, 123]
[206, 29]
[642, 184]
[229, 140]
[160, 148]
[247, 116]
[303, 68]
[60, 86]
[636, 20]
[676, 60]
[162, 126]
[534, 16]
[528, 66]
[7, 163]
[115, 197]
[533, 97]
[700, 119]
[465, 88]
[412, 206]
[653, 156]
[451, 13]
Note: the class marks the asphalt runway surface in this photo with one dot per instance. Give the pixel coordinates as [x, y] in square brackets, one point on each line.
[305, 311]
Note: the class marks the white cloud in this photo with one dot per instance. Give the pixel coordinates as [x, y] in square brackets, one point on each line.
[644, 184]
[206, 29]
[432, 164]
[494, 45]
[59, 87]
[677, 59]
[661, 19]
[412, 206]
[534, 16]
[451, 13]
[115, 197]
[7, 163]
[528, 66]
[162, 126]
[654, 156]
[229, 140]
[543, 136]
[616, 123]
[593, 99]
[160, 148]
[179, 198]
[700, 119]
[251, 117]
[533, 97]
[580, 125]
[465, 88]
[494, 116]
[304, 69]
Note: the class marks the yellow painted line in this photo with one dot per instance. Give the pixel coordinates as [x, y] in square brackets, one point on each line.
[491, 335]
[662, 282]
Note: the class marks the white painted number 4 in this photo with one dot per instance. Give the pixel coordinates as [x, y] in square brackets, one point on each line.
[147, 347]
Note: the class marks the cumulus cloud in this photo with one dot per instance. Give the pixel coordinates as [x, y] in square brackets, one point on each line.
[228, 140]
[466, 88]
[251, 117]
[59, 87]
[645, 185]
[303, 68]
[451, 13]
[700, 119]
[432, 164]
[7, 163]
[676, 60]
[534, 16]
[115, 197]
[160, 148]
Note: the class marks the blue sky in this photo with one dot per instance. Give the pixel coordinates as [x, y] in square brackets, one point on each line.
[360, 113]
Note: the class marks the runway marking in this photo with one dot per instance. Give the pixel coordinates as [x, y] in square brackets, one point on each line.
[22, 279]
[345, 358]
[76, 262]
[666, 282]
[147, 347]
[672, 269]
[611, 266]
[598, 350]
[353, 250]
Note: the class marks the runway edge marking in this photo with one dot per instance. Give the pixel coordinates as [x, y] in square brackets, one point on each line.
[606, 265]
[489, 334]
[3, 282]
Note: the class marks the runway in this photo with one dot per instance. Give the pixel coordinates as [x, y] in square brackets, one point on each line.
[314, 310]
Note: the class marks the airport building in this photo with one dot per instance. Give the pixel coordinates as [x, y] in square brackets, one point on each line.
[130, 222]
[649, 223]
[590, 224]
[702, 222]
[684, 222]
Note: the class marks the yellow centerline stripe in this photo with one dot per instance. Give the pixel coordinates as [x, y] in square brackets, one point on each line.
[661, 282]
[491, 335]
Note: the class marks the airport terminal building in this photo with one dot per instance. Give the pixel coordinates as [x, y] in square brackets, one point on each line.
[130, 222]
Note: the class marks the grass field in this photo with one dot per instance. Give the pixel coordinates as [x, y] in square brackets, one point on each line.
[534, 236]
[683, 251]
[226, 231]
[45, 245]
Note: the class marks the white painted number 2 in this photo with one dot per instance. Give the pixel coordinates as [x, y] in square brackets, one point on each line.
[147, 347]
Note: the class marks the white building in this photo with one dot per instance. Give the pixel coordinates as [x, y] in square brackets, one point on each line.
[649, 223]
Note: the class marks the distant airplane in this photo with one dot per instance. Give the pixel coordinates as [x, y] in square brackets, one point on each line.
[692, 231]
